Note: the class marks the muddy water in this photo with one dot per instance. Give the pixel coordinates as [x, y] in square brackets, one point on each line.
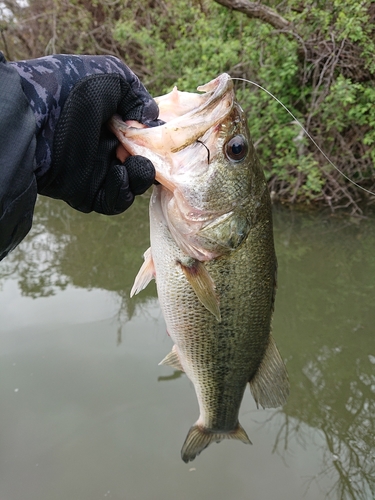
[86, 412]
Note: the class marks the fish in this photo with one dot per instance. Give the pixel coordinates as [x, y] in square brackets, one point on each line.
[212, 255]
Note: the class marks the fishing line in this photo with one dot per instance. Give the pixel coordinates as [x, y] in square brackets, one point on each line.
[308, 135]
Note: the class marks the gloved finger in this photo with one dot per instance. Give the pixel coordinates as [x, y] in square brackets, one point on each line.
[136, 103]
[115, 196]
[141, 173]
[154, 123]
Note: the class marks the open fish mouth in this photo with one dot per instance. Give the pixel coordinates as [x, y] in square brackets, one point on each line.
[184, 151]
[187, 116]
[218, 95]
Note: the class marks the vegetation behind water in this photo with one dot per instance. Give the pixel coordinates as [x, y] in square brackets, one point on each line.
[315, 56]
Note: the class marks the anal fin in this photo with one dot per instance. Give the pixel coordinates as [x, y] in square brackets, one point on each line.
[145, 274]
[203, 286]
[270, 384]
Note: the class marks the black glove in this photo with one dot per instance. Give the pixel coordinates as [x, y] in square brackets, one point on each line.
[72, 98]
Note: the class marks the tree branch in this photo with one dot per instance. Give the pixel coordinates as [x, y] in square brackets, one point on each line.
[258, 11]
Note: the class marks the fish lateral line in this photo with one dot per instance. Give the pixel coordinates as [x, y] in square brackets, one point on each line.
[307, 133]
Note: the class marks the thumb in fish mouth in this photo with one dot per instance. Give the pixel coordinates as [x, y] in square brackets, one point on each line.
[117, 126]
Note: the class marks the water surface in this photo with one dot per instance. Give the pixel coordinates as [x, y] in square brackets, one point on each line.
[88, 414]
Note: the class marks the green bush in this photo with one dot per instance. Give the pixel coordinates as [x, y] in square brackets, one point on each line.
[321, 67]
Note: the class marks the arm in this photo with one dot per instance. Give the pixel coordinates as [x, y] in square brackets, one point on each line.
[67, 101]
[18, 188]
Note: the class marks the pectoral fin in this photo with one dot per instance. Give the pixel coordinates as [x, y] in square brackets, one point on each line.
[172, 360]
[203, 285]
[145, 274]
[270, 384]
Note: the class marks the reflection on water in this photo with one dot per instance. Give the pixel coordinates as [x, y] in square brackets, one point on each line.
[175, 374]
[328, 269]
[90, 251]
[324, 325]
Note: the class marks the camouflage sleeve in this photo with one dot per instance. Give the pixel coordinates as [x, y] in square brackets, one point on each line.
[18, 188]
[72, 98]
[48, 81]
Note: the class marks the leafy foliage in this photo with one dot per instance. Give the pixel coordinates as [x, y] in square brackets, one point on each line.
[322, 68]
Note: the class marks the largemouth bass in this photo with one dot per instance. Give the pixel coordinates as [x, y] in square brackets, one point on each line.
[212, 255]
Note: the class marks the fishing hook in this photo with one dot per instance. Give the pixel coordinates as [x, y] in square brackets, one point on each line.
[208, 151]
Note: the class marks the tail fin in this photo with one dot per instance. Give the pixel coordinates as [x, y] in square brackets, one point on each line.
[199, 438]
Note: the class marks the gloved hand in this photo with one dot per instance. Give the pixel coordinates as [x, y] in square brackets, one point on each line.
[72, 98]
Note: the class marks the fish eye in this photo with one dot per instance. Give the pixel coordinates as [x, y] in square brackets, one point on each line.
[236, 149]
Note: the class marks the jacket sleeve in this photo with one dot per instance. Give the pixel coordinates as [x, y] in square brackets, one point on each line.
[18, 188]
